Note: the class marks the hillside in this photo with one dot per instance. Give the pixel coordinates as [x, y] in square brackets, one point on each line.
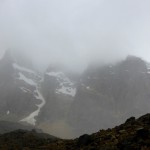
[134, 134]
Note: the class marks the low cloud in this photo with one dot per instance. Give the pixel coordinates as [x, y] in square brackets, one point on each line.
[75, 33]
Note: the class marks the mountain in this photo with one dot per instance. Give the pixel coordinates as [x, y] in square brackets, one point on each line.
[20, 97]
[68, 105]
[59, 90]
[108, 95]
[27, 96]
[134, 134]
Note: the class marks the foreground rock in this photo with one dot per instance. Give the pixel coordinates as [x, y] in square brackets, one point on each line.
[134, 134]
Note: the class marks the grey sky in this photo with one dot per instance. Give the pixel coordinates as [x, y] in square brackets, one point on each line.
[75, 32]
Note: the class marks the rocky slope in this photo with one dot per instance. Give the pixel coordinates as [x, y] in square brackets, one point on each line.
[109, 94]
[134, 134]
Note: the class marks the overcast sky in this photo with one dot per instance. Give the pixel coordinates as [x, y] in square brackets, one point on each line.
[76, 32]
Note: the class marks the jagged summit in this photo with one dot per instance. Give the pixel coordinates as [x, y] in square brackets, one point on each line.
[134, 64]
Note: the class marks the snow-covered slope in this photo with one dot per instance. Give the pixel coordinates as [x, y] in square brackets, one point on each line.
[30, 79]
[31, 118]
[65, 85]
[21, 68]
[21, 99]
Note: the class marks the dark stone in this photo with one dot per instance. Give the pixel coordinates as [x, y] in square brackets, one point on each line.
[130, 120]
[143, 133]
[125, 145]
[84, 140]
[145, 118]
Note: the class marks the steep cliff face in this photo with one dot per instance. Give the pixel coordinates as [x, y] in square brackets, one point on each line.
[59, 91]
[110, 94]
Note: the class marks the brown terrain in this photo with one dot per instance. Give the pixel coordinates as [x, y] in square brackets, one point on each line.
[134, 134]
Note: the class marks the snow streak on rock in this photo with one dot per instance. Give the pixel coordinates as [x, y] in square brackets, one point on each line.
[66, 86]
[31, 118]
[16, 66]
[25, 79]
[148, 68]
[31, 81]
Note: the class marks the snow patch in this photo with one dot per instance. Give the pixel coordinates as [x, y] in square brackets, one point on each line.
[88, 77]
[31, 118]
[66, 90]
[16, 66]
[88, 87]
[25, 79]
[8, 112]
[55, 74]
[66, 86]
[148, 68]
[25, 89]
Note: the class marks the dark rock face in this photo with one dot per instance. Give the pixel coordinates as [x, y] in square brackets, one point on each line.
[84, 140]
[130, 120]
[143, 133]
[145, 118]
[58, 90]
[110, 94]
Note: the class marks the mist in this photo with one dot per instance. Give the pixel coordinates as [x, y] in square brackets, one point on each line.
[75, 33]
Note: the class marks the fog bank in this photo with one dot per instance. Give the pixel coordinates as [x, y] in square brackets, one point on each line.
[75, 33]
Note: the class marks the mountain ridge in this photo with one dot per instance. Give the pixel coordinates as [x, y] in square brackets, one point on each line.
[61, 102]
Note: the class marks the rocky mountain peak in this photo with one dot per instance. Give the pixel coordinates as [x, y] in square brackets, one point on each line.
[134, 63]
